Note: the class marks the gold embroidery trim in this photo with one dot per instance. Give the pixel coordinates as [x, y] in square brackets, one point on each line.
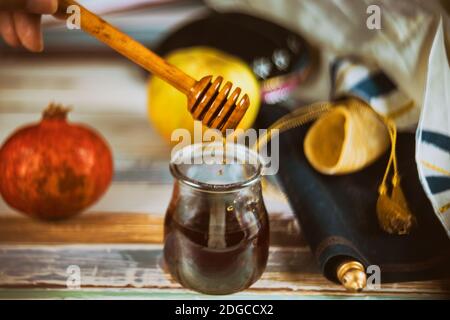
[435, 168]
[440, 170]
[444, 208]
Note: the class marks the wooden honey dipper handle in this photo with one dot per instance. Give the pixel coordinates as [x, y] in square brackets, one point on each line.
[128, 47]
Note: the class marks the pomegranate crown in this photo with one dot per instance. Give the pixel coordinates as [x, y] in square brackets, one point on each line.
[55, 111]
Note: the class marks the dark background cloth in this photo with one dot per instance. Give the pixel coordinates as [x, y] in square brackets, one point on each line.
[247, 37]
[337, 214]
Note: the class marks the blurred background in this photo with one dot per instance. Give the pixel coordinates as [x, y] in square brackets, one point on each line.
[104, 90]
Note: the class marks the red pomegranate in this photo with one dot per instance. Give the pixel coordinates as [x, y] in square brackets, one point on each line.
[54, 169]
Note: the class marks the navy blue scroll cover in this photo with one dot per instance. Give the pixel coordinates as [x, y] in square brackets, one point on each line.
[338, 217]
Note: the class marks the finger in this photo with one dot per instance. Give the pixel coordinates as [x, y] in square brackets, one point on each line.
[8, 30]
[42, 6]
[28, 28]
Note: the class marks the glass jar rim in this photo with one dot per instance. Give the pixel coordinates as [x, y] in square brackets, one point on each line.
[241, 150]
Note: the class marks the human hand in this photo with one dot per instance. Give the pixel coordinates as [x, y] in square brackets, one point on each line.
[20, 22]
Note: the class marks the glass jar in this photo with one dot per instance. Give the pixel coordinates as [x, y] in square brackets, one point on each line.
[216, 230]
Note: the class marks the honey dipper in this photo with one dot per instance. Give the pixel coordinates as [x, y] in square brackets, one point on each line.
[216, 106]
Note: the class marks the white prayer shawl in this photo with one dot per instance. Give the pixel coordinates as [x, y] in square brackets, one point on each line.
[433, 132]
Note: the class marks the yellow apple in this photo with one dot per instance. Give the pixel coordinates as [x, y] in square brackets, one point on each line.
[167, 107]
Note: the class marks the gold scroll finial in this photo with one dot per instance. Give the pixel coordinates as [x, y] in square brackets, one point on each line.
[352, 275]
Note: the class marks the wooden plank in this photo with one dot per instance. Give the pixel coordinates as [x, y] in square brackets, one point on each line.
[120, 198]
[92, 84]
[290, 271]
[119, 265]
[180, 294]
[115, 228]
[87, 228]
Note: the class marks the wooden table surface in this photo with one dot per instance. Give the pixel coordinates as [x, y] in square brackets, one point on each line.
[119, 256]
[118, 243]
